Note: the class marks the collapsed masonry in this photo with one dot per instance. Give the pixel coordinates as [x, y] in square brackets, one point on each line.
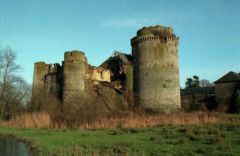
[150, 75]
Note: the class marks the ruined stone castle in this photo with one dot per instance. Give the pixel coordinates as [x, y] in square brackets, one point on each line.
[149, 77]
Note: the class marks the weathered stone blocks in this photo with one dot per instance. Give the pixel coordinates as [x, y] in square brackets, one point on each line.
[155, 69]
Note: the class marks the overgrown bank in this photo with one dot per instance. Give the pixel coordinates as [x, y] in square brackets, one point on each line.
[130, 120]
[220, 138]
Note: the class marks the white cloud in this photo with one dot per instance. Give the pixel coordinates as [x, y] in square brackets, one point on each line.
[128, 22]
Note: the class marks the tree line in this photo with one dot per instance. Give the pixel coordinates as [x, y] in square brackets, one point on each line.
[195, 82]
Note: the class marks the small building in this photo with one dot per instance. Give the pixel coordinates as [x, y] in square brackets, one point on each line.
[225, 87]
[198, 98]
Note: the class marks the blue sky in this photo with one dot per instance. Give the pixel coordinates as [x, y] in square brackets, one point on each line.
[42, 30]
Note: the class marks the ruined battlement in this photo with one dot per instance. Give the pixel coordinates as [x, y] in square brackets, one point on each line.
[47, 68]
[71, 56]
[40, 63]
[41, 67]
[158, 39]
[54, 68]
[157, 33]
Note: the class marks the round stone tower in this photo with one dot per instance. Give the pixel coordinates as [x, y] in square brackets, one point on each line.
[74, 71]
[155, 69]
[38, 87]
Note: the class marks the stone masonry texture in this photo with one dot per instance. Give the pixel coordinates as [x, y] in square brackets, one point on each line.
[155, 69]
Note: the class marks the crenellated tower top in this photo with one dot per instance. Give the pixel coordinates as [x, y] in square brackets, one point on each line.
[155, 33]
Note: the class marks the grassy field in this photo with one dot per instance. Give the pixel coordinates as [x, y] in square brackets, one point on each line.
[221, 139]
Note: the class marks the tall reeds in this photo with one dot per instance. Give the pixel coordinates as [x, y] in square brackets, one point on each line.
[132, 120]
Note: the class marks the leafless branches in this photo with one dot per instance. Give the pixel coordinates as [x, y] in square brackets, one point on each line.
[14, 91]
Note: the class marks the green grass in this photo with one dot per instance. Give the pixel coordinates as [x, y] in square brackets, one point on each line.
[192, 140]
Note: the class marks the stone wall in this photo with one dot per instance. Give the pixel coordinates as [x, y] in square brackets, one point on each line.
[100, 75]
[53, 79]
[199, 102]
[224, 92]
[155, 69]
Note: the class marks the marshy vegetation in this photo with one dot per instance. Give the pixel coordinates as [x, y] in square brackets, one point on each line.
[130, 120]
[173, 135]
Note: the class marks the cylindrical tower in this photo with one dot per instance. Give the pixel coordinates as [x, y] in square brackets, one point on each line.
[155, 69]
[74, 71]
[40, 71]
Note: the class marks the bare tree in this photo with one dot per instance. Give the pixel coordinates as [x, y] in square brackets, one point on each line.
[13, 89]
[205, 83]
